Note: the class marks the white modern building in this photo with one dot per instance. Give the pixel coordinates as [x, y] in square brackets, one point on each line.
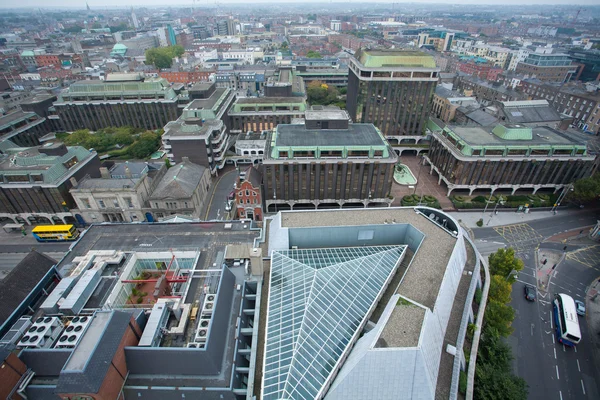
[367, 296]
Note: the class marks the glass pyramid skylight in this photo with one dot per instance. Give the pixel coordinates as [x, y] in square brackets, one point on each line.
[318, 300]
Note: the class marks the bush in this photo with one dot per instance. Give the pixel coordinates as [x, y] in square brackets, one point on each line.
[462, 383]
[478, 199]
[460, 198]
[140, 300]
[135, 292]
[429, 199]
[479, 223]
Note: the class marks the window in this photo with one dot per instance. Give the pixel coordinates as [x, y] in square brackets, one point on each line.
[115, 203]
[247, 192]
[101, 204]
[186, 204]
[86, 203]
[128, 201]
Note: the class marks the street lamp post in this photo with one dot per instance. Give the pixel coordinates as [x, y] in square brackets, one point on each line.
[419, 173]
[562, 196]
[499, 201]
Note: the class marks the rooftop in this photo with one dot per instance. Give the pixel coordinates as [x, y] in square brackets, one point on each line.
[540, 135]
[394, 58]
[309, 291]
[179, 182]
[355, 135]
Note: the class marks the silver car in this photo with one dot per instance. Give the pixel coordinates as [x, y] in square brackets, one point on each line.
[580, 307]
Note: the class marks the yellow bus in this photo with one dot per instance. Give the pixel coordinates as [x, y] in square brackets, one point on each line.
[55, 233]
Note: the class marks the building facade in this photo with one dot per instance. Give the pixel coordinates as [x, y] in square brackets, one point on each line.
[327, 162]
[257, 114]
[181, 191]
[392, 90]
[119, 195]
[547, 67]
[505, 157]
[248, 197]
[141, 103]
[446, 102]
[201, 133]
[35, 182]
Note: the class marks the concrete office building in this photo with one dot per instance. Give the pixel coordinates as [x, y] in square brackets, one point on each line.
[327, 162]
[366, 296]
[201, 132]
[35, 181]
[547, 67]
[124, 99]
[257, 114]
[392, 89]
[506, 157]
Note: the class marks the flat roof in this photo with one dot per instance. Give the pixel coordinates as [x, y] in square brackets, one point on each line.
[423, 278]
[481, 136]
[85, 348]
[209, 103]
[269, 100]
[403, 328]
[355, 135]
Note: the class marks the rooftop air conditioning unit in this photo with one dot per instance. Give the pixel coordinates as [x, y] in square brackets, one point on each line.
[16, 331]
[201, 335]
[42, 333]
[207, 307]
[73, 332]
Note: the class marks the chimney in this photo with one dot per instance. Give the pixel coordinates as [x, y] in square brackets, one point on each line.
[73, 181]
[104, 173]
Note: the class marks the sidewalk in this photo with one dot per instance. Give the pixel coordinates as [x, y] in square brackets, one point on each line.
[470, 218]
[545, 271]
[7, 238]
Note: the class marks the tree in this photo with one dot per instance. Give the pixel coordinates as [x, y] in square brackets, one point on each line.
[586, 189]
[503, 262]
[162, 57]
[320, 93]
[500, 289]
[494, 384]
[284, 46]
[499, 316]
[147, 143]
[73, 29]
[313, 54]
[119, 28]
[168, 163]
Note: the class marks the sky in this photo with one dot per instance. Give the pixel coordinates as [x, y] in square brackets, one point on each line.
[103, 4]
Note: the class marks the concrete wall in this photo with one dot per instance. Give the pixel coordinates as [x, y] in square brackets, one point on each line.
[344, 236]
[184, 361]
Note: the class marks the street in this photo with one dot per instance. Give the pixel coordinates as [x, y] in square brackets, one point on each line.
[215, 208]
[551, 370]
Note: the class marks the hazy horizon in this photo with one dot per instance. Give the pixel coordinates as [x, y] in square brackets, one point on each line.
[104, 4]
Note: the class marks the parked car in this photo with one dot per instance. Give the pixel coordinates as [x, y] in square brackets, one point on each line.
[530, 292]
[580, 307]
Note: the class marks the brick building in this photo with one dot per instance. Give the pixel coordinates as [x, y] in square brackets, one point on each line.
[547, 67]
[48, 60]
[186, 76]
[248, 197]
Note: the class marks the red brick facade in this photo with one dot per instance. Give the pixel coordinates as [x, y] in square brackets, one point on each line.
[11, 371]
[47, 60]
[248, 200]
[186, 77]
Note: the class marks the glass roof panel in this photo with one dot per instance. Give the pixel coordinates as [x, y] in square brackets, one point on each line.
[317, 300]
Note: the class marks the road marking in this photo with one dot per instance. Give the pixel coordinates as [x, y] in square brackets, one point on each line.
[578, 367]
[575, 347]
[582, 387]
[560, 393]
[558, 377]
[564, 348]
[555, 353]
[553, 342]
[550, 314]
[532, 326]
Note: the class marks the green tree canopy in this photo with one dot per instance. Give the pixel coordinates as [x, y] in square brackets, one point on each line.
[162, 57]
[313, 54]
[499, 316]
[586, 190]
[119, 28]
[503, 261]
[319, 93]
[73, 29]
[500, 289]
